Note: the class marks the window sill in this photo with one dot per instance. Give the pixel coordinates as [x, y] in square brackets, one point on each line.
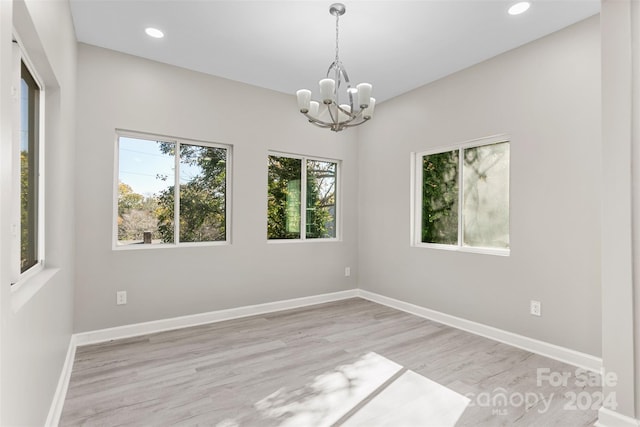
[468, 249]
[142, 247]
[285, 241]
[23, 290]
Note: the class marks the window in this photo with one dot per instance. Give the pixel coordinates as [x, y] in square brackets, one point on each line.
[462, 197]
[29, 168]
[292, 180]
[28, 173]
[171, 191]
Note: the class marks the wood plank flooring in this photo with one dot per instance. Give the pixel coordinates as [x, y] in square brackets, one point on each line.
[329, 364]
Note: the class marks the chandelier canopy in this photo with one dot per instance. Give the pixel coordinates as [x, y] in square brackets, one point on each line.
[330, 114]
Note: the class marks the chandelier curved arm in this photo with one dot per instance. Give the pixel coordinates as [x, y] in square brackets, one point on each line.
[352, 116]
[340, 70]
[337, 125]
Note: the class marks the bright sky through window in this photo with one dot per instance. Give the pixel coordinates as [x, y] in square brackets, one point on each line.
[145, 166]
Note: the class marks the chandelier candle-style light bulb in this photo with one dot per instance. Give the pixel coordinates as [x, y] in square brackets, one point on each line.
[330, 113]
[327, 88]
[304, 100]
[313, 108]
[364, 94]
[368, 112]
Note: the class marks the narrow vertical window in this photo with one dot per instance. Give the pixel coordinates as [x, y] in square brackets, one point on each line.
[29, 169]
[440, 198]
[203, 189]
[301, 198]
[321, 199]
[146, 179]
[486, 196]
[284, 196]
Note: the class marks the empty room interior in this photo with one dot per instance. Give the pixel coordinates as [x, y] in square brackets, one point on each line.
[206, 220]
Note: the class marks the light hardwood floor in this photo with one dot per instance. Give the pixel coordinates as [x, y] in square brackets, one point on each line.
[351, 362]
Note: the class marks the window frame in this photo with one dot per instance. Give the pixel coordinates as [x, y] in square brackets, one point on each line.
[17, 276]
[416, 196]
[177, 140]
[303, 198]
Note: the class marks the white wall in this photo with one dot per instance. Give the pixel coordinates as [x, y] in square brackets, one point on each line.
[546, 96]
[34, 337]
[634, 11]
[621, 205]
[122, 91]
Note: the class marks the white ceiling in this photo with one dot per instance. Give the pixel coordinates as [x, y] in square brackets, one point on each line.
[287, 45]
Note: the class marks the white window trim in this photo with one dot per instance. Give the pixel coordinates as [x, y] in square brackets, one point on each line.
[303, 197]
[20, 280]
[416, 198]
[176, 243]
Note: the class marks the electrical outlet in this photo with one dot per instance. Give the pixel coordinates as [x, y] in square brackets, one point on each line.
[121, 297]
[535, 308]
[347, 271]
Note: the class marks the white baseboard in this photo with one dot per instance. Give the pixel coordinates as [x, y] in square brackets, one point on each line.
[127, 331]
[103, 335]
[609, 418]
[572, 357]
[55, 411]
[137, 329]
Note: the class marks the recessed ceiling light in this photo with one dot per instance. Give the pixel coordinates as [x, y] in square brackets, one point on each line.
[154, 32]
[519, 8]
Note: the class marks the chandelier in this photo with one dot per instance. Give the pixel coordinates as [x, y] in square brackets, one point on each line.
[331, 114]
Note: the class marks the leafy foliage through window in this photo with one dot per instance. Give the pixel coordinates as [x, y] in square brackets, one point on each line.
[292, 180]
[440, 198]
[29, 169]
[171, 191]
[464, 197]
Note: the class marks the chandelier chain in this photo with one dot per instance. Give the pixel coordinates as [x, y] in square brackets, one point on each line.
[337, 35]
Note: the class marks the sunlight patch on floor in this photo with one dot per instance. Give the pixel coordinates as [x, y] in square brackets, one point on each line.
[411, 400]
[361, 394]
[330, 395]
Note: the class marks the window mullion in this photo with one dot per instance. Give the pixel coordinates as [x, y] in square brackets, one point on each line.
[420, 197]
[227, 204]
[416, 195]
[460, 196]
[303, 199]
[41, 174]
[338, 203]
[176, 195]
